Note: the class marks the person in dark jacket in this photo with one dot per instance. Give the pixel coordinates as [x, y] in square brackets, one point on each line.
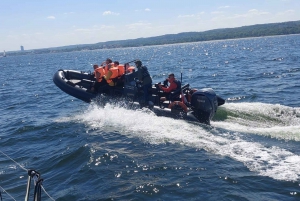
[145, 79]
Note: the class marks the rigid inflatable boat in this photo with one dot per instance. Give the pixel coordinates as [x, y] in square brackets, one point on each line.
[189, 104]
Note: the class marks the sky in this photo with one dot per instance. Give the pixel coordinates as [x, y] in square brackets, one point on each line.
[53, 23]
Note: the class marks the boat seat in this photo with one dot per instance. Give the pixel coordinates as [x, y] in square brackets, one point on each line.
[75, 81]
[71, 83]
[87, 81]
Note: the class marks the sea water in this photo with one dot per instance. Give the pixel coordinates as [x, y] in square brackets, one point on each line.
[91, 152]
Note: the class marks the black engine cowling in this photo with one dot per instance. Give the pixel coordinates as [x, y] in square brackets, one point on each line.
[204, 103]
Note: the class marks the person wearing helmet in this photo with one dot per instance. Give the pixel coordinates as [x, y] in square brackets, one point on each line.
[145, 79]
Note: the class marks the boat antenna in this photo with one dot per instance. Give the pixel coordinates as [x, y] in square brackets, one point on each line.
[181, 75]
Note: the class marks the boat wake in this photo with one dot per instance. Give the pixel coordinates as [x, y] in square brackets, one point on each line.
[276, 121]
[272, 161]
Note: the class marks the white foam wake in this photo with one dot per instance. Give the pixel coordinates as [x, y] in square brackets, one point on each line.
[273, 162]
[277, 121]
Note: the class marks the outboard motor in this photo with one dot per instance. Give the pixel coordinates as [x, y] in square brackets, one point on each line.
[204, 103]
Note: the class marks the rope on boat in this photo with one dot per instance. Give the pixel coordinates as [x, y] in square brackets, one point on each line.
[32, 175]
[14, 161]
[6, 193]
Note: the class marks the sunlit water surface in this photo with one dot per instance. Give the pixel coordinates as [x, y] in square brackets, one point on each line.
[87, 152]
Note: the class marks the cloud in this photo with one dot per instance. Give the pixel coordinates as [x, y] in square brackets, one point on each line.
[69, 13]
[147, 9]
[83, 30]
[94, 28]
[224, 7]
[287, 12]
[51, 17]
[250, 14]
[139, 25]
[257, 12]
[110, 13]
[217, 12]
[191, 15]
[186, 16]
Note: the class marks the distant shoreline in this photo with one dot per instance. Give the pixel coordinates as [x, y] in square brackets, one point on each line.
[253, 31]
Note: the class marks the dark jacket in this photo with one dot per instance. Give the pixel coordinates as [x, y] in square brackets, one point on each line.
[144, 76]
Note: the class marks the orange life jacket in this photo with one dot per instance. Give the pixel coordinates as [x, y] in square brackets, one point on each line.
[111, 74]
[106, 66]
[121, 70]
[131, 69]
[115, 72]
[101, 71]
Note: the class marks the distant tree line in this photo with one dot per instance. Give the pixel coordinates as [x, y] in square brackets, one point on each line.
[284, 28]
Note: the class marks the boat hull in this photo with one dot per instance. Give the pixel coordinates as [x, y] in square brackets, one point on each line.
[62, 80]
[203, 106]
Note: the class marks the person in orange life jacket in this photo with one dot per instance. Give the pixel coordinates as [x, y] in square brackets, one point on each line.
[107, 63]
[93, 75]
[113, 72]
[128, 68]
[116, 64]
[168, 89]
[119, 80]
[120, 67]
[145, 80]
[99, 81]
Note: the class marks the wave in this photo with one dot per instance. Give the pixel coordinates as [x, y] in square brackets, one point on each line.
[274, 162]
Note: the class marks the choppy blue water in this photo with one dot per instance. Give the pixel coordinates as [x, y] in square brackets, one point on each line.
[85, 152]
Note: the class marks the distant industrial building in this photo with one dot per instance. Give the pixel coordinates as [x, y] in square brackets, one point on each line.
[22, 48]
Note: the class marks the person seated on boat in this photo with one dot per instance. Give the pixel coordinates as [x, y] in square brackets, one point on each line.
[116, 64]
[128, 68]
[174, 86]
[111, 74]
[99, 81]
[93, 74]
[145, 80]
[120, 67]
[119, 80]
[107, 63]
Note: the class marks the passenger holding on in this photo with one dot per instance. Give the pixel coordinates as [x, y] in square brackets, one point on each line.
[112, 74]
[99, 81]
[93, 75]
[119, 80]
[174, 85]
[120, 68]
[146, 81]
[116, 64]
[101, 74]
[107, 63]
[128, 68]
[108, 76]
